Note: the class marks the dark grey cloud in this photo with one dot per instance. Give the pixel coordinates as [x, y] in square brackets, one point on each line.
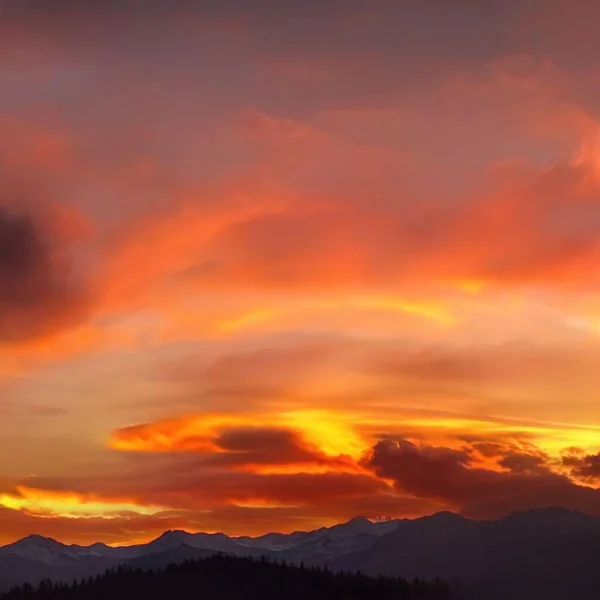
[586, 466]
[38, 293]
[462, 30]
[451, 476]
[524, 463]
[268, 446]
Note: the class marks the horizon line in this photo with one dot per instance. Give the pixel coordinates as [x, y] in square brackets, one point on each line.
[373, 520]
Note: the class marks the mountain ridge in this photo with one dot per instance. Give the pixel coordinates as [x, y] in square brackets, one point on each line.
[553, 546]
[445, 515]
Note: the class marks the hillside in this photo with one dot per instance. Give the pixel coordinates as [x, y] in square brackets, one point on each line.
[224, 578]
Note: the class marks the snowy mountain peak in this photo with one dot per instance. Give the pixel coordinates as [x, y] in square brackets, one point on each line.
[354, 526]
[36, 540]
[359, 521]
[444, 516]
[362, 526]
[41, 549]
[174, 534]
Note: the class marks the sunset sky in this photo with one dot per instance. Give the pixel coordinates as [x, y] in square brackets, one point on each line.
[268, 265]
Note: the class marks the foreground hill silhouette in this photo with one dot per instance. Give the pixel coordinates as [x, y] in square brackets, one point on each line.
[225, 578]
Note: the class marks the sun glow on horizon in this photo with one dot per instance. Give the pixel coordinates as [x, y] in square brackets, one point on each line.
[71, 505]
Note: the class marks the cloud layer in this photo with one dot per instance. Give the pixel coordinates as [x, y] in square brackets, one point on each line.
[270, 266]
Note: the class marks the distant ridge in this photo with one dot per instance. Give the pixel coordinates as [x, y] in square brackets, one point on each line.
[551, 512]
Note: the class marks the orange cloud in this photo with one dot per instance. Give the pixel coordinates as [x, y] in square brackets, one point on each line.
[70, 505]
[255, 317]
[481, 477]
[294, 439]
[520, 232]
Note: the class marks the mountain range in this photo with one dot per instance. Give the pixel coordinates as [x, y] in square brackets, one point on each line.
[549, 553]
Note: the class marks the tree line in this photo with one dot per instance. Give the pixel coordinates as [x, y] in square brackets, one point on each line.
[230, 578]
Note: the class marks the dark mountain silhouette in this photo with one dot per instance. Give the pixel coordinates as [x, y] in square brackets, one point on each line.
[224, 578]
[171, 540]
[546, 554]
[16, 570]
[549, 553]
[174, 556]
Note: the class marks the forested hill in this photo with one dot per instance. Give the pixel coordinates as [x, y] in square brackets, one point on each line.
[230, 578]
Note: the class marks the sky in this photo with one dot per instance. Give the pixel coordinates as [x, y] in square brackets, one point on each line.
[267, 266]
